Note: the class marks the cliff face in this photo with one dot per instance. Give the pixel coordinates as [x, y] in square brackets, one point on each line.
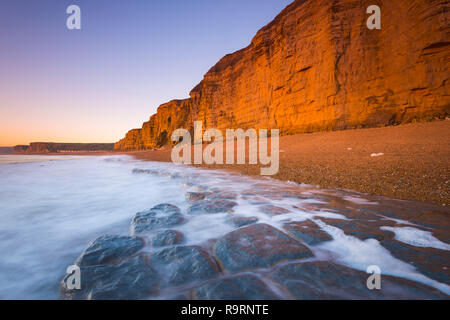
[318, 67]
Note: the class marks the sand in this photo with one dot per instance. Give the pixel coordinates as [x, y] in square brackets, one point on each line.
[414, 163]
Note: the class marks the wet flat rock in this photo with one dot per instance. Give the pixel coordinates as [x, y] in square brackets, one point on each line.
[273, 210]
[158, 173]
[146, 171]
[257, 246]
[129, 280]
[308, 232]
[107, 271]
[255, 200]
[160, 216]
[220, 194]
[326, 281]
[183, 264]
[431, 262]
[239, 288]
[114, 267]
[212, 206]
[239, 221]
[413, 211]
[347, 211]
[108, 249]
[210, 194]
[167, 238]
[196, 196]
[362, 229]
[438, 221]
[273, 193]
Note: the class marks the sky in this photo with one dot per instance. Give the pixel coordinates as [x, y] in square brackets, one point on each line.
[130, 56]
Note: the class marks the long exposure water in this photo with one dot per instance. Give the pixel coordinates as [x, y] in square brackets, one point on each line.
[51, 208]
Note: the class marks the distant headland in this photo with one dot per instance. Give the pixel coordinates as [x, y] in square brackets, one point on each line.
[6, 150]
[52, 147]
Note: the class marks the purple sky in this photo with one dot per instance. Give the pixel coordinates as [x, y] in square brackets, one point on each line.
[94, 84]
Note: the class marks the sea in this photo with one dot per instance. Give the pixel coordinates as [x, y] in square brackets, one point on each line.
[52, 207]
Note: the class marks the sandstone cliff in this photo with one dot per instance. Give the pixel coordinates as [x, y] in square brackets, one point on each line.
[317, 67]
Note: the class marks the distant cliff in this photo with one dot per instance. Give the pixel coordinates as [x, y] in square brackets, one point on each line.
[50, 147]
[6, 150]
[318, 67]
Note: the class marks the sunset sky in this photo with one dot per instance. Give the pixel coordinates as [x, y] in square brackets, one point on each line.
[94, 84]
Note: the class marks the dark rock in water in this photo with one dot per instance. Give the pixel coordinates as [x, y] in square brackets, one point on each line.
[224, 195]
[273, 210]
[158, 173]
[325, 280]
[255, 200]
[431, 262]
[184, 264]
[261, 189]
[146, 171]
[257, 246]
[176, 175]
[195, 196]
[239, 288]
[106, 249]
[167, 238]
[130, 280]
[212, 206]
[239, 221]
[160, 216]
[308, 231]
